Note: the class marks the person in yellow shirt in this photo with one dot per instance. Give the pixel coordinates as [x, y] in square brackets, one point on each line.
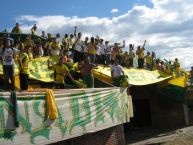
[167, 70]
[92, 50]
[177, 68]
[61, 71]
[148, 61]
[65, 44]
[24, 69]
[71, 42]
[16, 29]
[140, 54]
[29, 42]
[55, 48]
[47, 45]
[125, 61]
[34, 30]
[38, 50]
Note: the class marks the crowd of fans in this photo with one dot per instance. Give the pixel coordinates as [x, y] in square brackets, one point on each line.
[73, 48]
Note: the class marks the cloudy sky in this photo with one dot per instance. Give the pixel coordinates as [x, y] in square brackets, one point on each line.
[167, 25]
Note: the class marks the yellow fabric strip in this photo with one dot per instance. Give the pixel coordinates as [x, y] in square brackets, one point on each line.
[52, 111]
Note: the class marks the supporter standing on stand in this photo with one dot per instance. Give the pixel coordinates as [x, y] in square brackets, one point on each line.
[116, 73]
[148, 61]
[98, 57]
[44, 35]
[92, 50]
[131, 55]
[8, 63]
[107, 52]
[71, 42]
[61, 71]
[140, 53]
[153, 63]
[24, 69]
[55, 48]
[87, 72]
[34, 30]
[16, 29]
[38, 50]
[117, 50]
[177, 68]
[102, 52]
[65, 44]
[78, 47]
[191, 76]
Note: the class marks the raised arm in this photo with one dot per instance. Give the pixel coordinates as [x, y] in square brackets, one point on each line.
[123, 44]
[144, 45]
[75, 28]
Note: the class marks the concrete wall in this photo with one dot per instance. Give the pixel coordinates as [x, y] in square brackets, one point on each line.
[110, 136]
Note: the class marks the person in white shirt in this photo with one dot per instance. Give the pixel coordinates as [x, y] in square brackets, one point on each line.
[102, 52]
[116, 73]
[97, 56]
[8, 63]
[78, 47]
[107, 53]
[55, 48]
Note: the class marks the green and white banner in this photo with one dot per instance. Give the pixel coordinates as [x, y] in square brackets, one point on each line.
[80, 111]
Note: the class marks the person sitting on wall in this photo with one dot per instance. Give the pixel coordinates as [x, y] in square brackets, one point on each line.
[16, 29]
[61, 71]
[117, 73]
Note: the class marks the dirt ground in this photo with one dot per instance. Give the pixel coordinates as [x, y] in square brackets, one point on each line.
[180, 136]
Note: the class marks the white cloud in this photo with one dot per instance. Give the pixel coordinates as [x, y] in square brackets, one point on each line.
[167, 27]
[114, 11]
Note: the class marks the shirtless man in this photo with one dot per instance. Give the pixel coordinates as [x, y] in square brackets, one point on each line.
[117, 50]
[87, 72]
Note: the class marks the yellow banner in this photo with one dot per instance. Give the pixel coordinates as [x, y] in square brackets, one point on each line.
[135, 76]
[38, 69]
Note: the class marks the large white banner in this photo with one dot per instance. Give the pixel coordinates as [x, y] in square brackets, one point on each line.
[80, 111]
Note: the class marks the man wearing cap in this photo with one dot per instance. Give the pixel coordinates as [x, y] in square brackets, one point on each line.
[8, 63]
